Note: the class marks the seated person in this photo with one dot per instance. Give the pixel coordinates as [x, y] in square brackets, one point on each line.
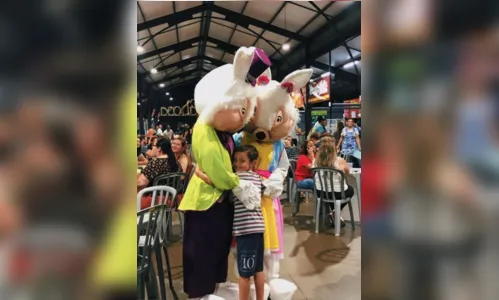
[152, 150]
[327, 158]
[179, 148]
[291, 150]
[142, 160]
[303, 175]
[163, 164]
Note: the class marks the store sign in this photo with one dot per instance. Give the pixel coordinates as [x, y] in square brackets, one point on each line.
[319, 90]
[318, 112]
[351, 112]
[299, 98]
[188, 110]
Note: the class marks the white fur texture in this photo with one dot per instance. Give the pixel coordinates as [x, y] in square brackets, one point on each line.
[272, 97]
[225, 87]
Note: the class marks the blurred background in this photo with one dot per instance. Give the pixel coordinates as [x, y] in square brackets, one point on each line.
[66, 86]
[431, 157]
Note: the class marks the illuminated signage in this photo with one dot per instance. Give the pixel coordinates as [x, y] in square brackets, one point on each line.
[188, 110]
[319, 90]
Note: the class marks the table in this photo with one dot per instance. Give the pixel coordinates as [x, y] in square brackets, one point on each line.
[356, 173]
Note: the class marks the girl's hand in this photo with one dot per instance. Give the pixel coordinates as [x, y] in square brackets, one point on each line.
[203, 176]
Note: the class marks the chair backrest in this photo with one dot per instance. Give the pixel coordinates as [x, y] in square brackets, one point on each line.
[292, 165]
[158, 192]
[150, 223]
[326, 179]
[175, 180]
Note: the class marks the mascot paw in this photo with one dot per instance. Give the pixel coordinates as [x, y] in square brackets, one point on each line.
[281, 289]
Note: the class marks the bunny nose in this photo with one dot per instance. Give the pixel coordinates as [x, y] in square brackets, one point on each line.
[260, 134]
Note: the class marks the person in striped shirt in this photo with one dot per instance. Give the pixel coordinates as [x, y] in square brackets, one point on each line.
[248, 227]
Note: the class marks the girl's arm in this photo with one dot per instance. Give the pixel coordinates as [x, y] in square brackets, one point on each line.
[357, 140]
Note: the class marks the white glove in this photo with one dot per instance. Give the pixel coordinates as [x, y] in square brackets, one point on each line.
[274, 185]
[248, 194]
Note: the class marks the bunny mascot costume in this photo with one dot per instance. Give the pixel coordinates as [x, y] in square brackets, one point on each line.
[275, 116]
[225, 102]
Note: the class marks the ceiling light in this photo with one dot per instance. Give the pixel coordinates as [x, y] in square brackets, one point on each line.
[351, 64]
[138, 104]
[161, 85]
[285, 47]
[167, 93]
[140, 49]
[171, 98]
[154, 71]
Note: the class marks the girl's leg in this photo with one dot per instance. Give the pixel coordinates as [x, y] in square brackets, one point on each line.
[306, 184]
[259, 285]
[244, 288]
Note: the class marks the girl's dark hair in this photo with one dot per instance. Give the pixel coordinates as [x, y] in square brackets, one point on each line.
[304, 147]
[166, 147]
[251, 150]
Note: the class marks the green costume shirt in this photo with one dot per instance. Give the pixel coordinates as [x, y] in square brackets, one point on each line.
[215, 161]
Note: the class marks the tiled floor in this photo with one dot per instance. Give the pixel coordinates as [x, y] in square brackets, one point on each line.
[321, 265]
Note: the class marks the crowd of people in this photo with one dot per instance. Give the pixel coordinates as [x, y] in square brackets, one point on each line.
[325, 149]
[162, 153]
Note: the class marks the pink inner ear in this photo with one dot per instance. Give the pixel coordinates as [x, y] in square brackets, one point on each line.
[262, 80]
[288, 86]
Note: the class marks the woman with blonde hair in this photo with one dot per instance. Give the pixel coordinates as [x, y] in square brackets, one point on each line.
[179, 148]
[327, 158]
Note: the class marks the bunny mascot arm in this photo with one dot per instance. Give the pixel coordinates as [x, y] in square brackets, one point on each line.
[225, 102]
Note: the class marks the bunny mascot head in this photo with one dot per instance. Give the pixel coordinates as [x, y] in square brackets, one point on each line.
[225, 100]
[275, 116]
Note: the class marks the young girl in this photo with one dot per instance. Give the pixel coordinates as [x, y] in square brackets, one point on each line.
[248, 226]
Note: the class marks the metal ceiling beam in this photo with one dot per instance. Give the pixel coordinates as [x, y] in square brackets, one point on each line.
[235, 26]
[184, 82]
[148, 30]
[270, 22]
[187, 44]
[190, 60]
[172, 19]
[180, 75]
[205, 30]
[334, 26]
[348, 23]
[340, 73]
[246, 21]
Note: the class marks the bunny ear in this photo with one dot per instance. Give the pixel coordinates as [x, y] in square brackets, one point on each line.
[242, 62]
[296, 80]
[267, 73]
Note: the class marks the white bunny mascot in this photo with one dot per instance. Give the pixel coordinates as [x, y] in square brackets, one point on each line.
[274, 118]
[225, 101]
